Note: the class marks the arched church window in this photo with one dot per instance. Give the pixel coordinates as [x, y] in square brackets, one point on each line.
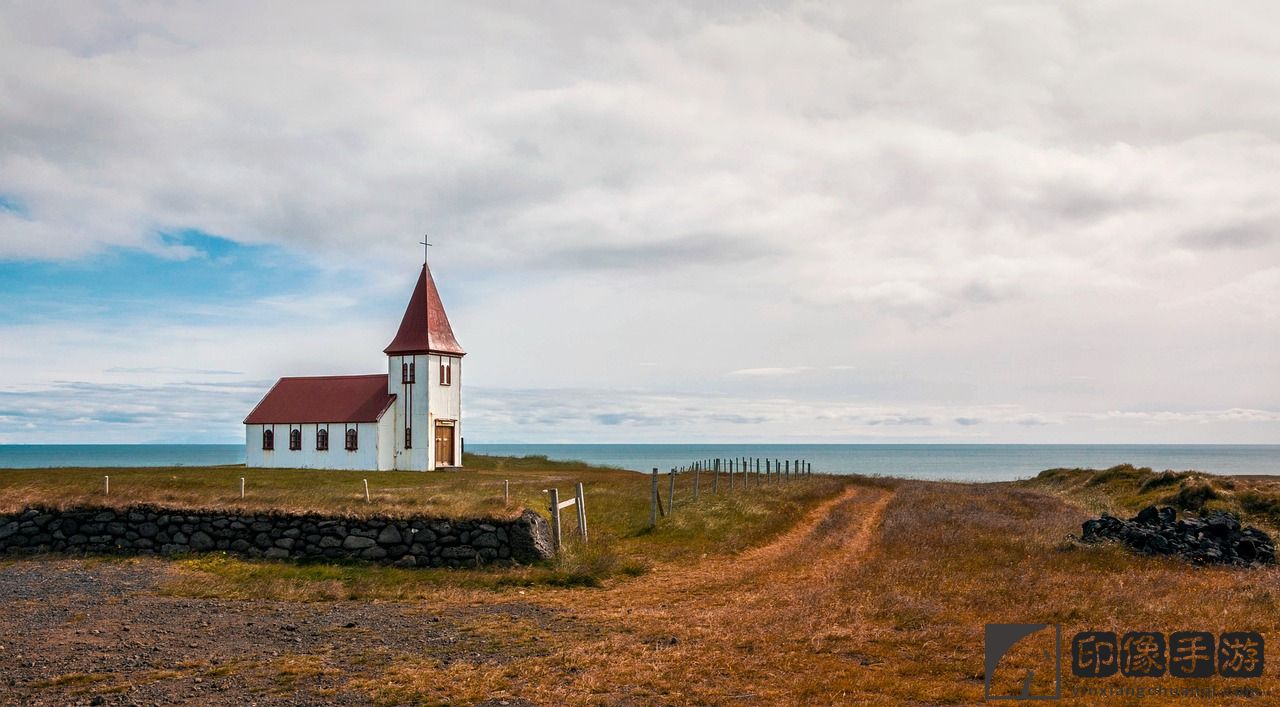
[268, 439]
[322, 440]
[295, 440]
[352, 440]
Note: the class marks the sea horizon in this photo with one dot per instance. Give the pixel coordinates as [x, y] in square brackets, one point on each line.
[955, 461]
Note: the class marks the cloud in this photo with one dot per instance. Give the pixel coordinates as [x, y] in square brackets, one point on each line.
[769, 372]
[966, 203]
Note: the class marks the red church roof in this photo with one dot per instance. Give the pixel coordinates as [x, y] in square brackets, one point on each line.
[425, 327]
[324, 399]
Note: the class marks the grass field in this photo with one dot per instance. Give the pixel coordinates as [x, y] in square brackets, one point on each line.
[617, 507]
[839, 591]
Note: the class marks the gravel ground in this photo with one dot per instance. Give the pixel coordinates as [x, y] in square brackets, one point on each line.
[85, 631]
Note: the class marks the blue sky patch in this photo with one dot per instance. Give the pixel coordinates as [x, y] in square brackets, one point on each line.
[13, 205]
[186, 271]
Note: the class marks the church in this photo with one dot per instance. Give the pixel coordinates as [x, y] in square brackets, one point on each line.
[409, 418]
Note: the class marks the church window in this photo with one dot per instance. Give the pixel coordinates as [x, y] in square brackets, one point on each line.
[411, 373]
[268, 439]
[295, 440]
[446, 372]
[352, 440]
[408, 438]
[404, 373]
[322, 440]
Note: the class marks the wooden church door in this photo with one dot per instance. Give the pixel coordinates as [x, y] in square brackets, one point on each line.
[444, 445]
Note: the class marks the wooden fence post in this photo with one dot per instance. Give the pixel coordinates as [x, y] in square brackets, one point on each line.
[580, 499]
[555, 519]
[106, 486]
[653, 499]
[366, 491]
[715, 485]
[241, 487]
[695, 482]
[671, 492]
[506, 492]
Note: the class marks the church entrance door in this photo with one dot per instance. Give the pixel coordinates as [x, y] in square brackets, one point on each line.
[444, 444]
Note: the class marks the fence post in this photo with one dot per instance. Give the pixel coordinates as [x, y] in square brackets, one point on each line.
[580, 503]
[366, 491]
[787, 469]
[106, 486]
[506, 492]
[555, 518]
[730, 465]
[671, 492]
[715, 485]
[241, 487]
[696, 479]
[653, 499]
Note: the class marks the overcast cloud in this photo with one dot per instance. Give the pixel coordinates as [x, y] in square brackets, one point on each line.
[932, 221]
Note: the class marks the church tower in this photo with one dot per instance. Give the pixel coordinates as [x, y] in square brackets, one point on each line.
[425, 374]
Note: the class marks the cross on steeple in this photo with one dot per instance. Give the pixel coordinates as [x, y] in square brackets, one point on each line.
[425, 243]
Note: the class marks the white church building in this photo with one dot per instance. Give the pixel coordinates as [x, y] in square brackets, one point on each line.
[409, 418]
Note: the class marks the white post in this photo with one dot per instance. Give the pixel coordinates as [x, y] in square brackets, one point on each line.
[241, 487]
[555, 518]
[366, 491]
[653, 499]
[506, 492]
[106, 486]
[582, 512]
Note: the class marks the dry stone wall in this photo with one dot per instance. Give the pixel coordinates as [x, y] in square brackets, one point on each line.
[404, 542]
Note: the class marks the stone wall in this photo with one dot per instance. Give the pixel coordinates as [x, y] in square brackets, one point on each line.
[404, 542]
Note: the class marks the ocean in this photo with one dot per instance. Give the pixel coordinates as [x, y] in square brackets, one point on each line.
[958, 462]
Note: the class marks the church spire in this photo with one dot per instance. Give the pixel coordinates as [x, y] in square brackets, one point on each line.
[425, 327]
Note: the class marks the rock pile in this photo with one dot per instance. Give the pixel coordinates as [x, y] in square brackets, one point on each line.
[1216, 538]
[414, 542]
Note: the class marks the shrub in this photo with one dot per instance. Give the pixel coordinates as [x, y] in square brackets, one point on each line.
[1121, 472]
[1193, 494]
[1160, 480]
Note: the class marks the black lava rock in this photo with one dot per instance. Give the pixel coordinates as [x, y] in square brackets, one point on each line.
[1216, 537]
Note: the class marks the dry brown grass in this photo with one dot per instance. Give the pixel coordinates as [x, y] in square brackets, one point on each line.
[879, 597]
[475, 492]
[1124, 489]
[875, 593]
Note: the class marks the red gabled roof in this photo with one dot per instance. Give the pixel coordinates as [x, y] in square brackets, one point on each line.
[324, 399]
[425, 327]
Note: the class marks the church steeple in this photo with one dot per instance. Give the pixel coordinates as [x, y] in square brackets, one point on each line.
[425, 327]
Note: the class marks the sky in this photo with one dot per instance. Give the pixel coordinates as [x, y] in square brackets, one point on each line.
[1022, 222]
